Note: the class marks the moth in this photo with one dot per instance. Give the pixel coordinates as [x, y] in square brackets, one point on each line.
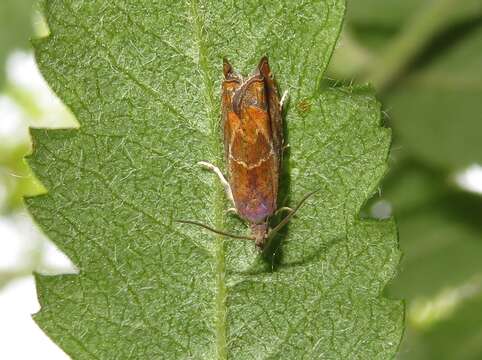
[253, 149]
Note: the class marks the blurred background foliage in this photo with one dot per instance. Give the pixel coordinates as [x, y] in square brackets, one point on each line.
[16, 27]
[424, 58]
[25, 101]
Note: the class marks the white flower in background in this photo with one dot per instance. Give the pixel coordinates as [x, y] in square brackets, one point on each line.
[21, 338]
[12, 123]
[470, 179]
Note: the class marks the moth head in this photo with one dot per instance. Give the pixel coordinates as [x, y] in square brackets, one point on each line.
[250, 90]
[259, 232]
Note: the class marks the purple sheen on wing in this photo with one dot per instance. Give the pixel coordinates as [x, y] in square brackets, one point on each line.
[255, 212]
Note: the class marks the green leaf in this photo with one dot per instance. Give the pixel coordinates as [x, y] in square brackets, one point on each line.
[143, 80]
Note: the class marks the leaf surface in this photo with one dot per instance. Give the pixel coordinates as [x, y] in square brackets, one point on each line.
[143, 79]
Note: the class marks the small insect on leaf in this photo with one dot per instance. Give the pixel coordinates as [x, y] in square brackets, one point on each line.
[253, 148]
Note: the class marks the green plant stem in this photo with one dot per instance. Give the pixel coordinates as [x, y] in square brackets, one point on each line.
[415, 35]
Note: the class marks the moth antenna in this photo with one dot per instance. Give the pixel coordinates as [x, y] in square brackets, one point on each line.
[191, 222]
[227, 68]
[291, 214]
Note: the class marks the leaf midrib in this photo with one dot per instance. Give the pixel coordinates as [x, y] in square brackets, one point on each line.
[218, 201]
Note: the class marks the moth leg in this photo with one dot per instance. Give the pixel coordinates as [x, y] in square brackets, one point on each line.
[284, 97]
[284, 208]
[232, 211]
[221, 177]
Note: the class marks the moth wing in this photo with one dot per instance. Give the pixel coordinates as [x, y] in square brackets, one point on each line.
[274, 107]
[231, 83]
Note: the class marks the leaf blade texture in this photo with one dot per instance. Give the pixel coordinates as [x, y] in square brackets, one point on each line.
[143, 80]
